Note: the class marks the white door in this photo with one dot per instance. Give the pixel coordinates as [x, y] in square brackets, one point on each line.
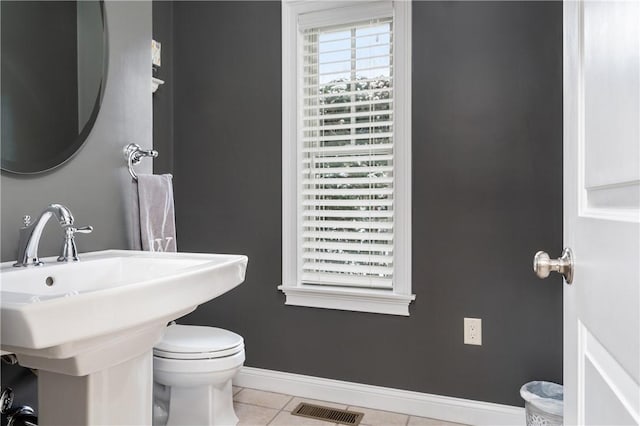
[602, 212]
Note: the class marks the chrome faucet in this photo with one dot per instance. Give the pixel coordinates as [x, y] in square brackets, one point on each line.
[30, 235]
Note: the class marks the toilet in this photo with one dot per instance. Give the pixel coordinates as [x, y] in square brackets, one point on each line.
[192, 371]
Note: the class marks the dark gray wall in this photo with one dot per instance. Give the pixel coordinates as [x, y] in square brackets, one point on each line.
[94, 184]
[487, 161]
[163, 98]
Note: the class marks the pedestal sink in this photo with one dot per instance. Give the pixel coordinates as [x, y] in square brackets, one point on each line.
[89, 327]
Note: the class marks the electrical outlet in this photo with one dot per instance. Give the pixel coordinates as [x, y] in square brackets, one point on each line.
[473, 331]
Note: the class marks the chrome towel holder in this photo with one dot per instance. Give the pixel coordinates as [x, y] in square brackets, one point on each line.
[134, 153]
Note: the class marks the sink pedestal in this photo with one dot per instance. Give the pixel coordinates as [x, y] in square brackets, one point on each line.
[118, 395]
[109, 381]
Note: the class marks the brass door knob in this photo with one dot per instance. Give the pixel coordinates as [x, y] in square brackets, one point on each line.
[543, 265]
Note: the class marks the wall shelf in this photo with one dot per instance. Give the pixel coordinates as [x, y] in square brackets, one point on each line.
[155, 83]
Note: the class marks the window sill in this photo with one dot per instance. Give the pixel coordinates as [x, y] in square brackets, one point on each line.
[358, 300]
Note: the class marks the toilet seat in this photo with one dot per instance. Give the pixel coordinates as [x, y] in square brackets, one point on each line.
[184, 342]
[169, 371]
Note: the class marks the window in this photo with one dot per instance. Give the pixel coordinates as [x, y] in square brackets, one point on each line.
[346, 155]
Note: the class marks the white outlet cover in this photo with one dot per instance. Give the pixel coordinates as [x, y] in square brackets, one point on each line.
[473, 331]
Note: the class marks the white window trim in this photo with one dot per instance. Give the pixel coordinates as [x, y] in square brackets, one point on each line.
[394, 302]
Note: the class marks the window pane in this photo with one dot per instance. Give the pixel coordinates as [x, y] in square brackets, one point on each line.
[346, 202]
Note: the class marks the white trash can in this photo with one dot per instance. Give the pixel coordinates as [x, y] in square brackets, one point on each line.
[544, 402]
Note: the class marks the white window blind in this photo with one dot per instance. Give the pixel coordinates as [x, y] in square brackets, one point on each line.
[346, 196]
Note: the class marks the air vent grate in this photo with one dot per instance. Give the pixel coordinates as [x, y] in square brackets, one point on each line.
[319, 412]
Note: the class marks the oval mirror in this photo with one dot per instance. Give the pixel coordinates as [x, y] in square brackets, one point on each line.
[53, 70]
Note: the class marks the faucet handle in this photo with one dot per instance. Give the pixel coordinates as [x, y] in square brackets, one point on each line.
[26, 220]
[69, 250]
[83, 230]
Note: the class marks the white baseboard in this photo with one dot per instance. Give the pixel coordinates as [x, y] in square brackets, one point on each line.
[400, 401]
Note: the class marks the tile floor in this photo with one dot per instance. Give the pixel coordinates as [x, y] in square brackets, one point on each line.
[259, 408]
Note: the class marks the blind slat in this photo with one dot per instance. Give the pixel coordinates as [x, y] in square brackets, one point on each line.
[349, 148]
[343, 82]
[346, 203]
[368, 192]
[312, 46]
[349, 115]
[365, 236]
[311, 56]
[345, 71]
[347, 224]
[348, 257]
[348, 181]
[349, 213]
[348, 246]
[339, 267]
[350, 104]
[360, 136]
[360, 125]
[351, 49]
[346, 280]
[349, 94]
[365, 157]
[350, 170]
[342, 61]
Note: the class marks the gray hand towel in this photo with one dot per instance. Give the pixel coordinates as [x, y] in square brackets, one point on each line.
[157, 217]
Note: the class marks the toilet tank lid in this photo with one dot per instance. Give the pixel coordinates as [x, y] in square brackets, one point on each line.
[197, 339]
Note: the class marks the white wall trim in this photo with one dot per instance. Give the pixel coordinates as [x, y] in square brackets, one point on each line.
[402, 21]
[401, 401]
[381, 302]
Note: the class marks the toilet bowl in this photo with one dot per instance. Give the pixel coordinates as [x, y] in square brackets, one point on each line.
[192, 371]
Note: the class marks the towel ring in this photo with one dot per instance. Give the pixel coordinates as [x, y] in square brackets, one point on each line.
[134, 153]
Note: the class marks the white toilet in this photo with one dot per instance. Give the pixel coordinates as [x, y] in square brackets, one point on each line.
[192, 371]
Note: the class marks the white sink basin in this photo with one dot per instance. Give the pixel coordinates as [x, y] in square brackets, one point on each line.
[89, 326]
[104, 304]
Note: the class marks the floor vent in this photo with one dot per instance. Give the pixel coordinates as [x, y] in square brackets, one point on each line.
[319, 412]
